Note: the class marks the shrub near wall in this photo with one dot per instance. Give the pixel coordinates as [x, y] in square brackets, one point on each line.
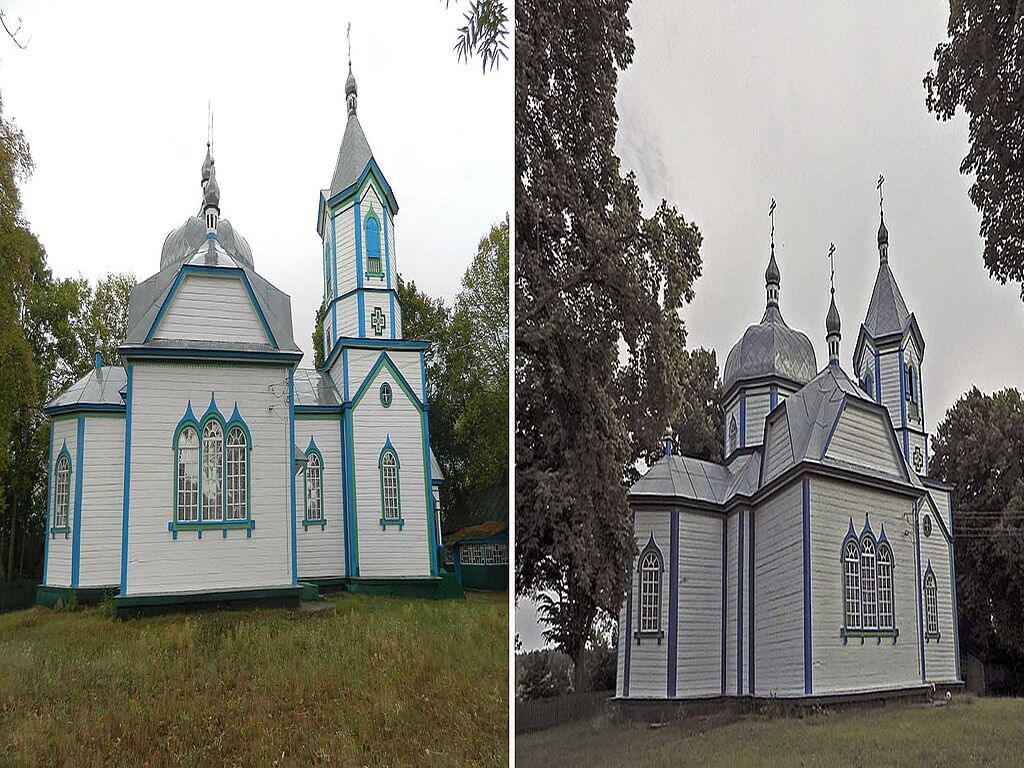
[17, 594]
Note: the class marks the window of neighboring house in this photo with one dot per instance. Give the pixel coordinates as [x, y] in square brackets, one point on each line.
[237, 506]
[650, 593]
[851, 584]
[885, 596]
[389, 485]
[314, 507]
[373, 264]
[213, 468]
[187, 475]
[868, 584]
[931, 606]
[62, 493]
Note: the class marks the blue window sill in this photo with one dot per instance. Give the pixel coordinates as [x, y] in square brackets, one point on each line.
[866, 634]
[929, 636]
[399, 521]
[65, 529]
[379, 275]
[659, 636]
[212, 525]
[321, 523]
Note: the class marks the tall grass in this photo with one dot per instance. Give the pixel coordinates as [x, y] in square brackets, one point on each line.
[369, 681]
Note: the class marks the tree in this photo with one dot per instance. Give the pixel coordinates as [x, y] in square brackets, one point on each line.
[318, 336]
[595, 279]
[484, 33]
[979, 449]
[979, 68]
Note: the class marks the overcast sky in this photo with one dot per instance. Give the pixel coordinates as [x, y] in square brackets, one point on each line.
[729, 104]
[113, 100]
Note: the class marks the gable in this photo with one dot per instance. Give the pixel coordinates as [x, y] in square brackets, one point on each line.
[864, 438]
[211, 308]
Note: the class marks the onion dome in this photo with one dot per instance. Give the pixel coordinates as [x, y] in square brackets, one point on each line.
[832, 323]
[351, 91]
[207, 166]
[883, 233]
[211, 192]
[771, 348]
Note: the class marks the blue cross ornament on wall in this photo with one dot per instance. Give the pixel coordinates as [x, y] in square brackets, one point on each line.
[378, 321]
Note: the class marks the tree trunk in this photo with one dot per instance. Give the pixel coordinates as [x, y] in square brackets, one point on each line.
[579, 668]
[10, 550]
[21, 558]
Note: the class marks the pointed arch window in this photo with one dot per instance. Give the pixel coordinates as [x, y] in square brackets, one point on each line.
[314, 481]
[213, 471]
[187, 475]
[931, 605]
[851, 583]
[650, 568]
[390, 487]
[62, 492]
[869, 606]
[886, 618]
[374, 267]
[868, 576]
[237, 465]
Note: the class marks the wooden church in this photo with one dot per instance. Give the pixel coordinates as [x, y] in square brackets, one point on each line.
[817, 559]
[209, 466]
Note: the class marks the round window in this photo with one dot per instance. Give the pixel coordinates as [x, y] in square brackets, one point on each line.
[385, 394]
[927, 525]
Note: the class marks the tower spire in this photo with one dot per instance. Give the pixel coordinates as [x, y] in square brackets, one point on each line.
[350, 83]
[883, 233]
[772, 277]
[832, 322]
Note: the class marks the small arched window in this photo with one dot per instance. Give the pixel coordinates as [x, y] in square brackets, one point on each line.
[389, 485]
[314, 478]
[62, 493]
[187, 475]
[373, 265]
[869, 384]
[931, 605]
[213, 471]
[867, 584]
[733, 433]
[886, 619]
[911, 382]
[851, 584]
[237, 475]
[650, 593]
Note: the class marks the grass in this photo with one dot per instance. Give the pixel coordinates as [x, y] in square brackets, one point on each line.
[967, 732]
[368, 681]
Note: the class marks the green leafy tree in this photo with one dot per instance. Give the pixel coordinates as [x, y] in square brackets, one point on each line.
[979, 449]
[484, 33]
[596, 280]
[979, 69]
[318, 336]
[108, 313]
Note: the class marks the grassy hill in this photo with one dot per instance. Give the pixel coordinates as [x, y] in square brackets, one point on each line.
[368, 681]
[967, 732]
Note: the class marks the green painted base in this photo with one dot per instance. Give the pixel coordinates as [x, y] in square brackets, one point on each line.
[327, 584]
[310, 592]
[485, 577]
[438, 588]
[146, 605]
[49, 596]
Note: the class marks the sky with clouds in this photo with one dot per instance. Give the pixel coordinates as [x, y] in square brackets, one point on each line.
[113, 100]
[730, 104]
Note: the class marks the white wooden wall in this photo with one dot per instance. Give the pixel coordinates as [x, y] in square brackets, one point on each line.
[778, 449]
[939, 655]
[699, 632]
[321, 553]
[391, 552]
[361, 361]
[210, 308]
[648, 672]
[862, 438]
[102, 502]
[778, 594]
[889, 372]
[757, 407]
[839, 668]
[344, 232]
[732, 411]
[58, 566]
[156, 562]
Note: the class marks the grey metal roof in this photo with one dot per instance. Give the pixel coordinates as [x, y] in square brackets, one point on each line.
[102, 387]
[887, 311]
[685, 477]
[182, 242]
[770, 348]
[436, 474]
[314, 388]
[353, 156]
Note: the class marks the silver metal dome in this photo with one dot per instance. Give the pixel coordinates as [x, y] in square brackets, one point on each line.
[770, 348]
[184, 241]
[211, 192]
[832, 324]
[350, 83]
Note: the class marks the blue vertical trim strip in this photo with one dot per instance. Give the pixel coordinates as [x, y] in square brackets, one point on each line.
[673, 603]
[773, 397]
[291, 468]
[750, 606]
[743, 420]
[353, 512]
[808, 680]
[344, 369]
[926, 466]
[903, 407]
[391, 312]
[76, 534]
[344, 492]
[917, 578]
[423, 377]
[360, 307]
[920, 394]
[387, 253]
[725, 593]
[127, 481]
[628, 639]
[952, 579]
[49, 496]
[878, 379]
[739, 609]
[334, 282]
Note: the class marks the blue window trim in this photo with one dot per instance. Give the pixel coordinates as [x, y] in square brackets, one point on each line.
[66, 528]
[321, 522]
[847, 631]
[649, 548]
[385, 523]
[391, 395]
[930, 574]
[371, 216]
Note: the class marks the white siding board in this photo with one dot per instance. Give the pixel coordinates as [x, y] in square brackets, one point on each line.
[58, 566]
[862, 438]
[208, 308]
[344, 232]
[321, 552]
[758, 404]
[778, 449]
[699, 625]
[648, 669]
[102, 502]
[939, 655]
[889, 372]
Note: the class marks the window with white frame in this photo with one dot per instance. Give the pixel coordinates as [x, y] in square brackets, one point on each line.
[389, 484]
[650, 593]
[851, 583]
[886, 619]
[314, 507]
[869, 596]
[187, 475]
[237, 477]
[62, 493]
[213, 467]
[931, 606]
